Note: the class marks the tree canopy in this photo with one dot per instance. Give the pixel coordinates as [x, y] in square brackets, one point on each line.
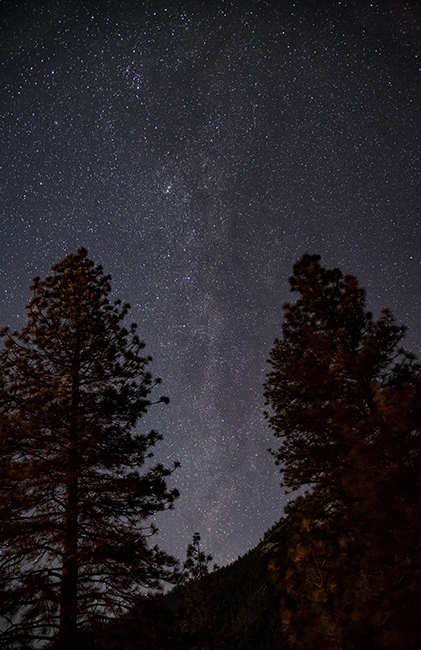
[77, 487]
[344, 402]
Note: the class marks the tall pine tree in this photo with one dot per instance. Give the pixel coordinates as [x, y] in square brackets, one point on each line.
[76, 486]
[345, 404]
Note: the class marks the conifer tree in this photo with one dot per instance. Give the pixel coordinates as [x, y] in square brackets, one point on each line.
[196, 565]
[198, 610]
[76, 487]
[345, 404]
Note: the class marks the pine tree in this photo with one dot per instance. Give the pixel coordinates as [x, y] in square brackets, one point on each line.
[76, 487]
[196, 565]
[345, 403]
[324, 595]
[198, 608]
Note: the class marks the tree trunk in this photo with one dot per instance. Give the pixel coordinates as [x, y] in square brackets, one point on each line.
[68, 597]
[69, 584]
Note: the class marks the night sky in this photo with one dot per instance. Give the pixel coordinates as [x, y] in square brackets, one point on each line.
[197, 150]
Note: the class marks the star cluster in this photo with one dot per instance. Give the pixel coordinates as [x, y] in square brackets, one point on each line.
[197, 149]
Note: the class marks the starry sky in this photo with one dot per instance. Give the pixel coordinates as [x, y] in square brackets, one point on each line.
[197, 149]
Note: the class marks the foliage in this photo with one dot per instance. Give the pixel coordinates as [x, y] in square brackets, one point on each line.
[197, 562]
[322, 598]
[150, 626]
[345, 403]
[198, 606]
[75, 493]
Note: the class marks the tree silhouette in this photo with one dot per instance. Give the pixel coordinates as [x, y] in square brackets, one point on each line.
[198, 611]
[75, 493]
[196, 565]
[345, 403]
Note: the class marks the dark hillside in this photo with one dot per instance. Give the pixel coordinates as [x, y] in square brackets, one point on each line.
[236, 606]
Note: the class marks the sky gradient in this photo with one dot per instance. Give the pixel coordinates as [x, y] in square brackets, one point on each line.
[197, 150]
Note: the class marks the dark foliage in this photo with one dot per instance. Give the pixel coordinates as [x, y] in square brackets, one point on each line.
[345, 404]
[75, 493]
[197, 561]
[150, 626]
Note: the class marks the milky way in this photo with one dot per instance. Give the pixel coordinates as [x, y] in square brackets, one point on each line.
[197, 149]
